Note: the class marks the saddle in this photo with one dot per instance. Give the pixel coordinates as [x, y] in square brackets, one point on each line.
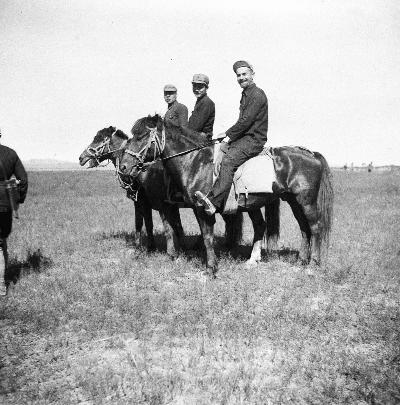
[254, 176]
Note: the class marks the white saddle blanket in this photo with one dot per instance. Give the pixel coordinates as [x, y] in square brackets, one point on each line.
[255, 176]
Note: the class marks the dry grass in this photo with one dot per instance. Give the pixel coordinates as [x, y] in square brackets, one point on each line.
[93, 319]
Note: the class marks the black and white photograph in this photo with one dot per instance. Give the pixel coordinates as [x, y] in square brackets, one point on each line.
[200, 202]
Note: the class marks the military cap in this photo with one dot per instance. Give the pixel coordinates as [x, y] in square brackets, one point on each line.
[241, 63]
[170, 87]
[200, 78]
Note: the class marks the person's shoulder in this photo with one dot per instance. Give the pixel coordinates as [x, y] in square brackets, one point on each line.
[5, 150]
[180, 106]
[207, 100]
[259, 93]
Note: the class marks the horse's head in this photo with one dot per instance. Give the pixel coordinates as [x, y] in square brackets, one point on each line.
[146, 146]
[105, 145]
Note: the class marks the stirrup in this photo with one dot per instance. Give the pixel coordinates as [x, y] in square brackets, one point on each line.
[203, 200]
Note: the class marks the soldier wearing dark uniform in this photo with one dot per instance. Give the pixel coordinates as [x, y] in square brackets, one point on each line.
[203, 115]
[176, 116]
[242, 141]
[10, 166]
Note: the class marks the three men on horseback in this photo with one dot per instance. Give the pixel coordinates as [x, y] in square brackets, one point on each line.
[244, 140]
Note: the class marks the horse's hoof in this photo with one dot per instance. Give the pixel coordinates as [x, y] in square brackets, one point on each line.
[251, 263]
[208, 274]
[273, 256]
[302, 261]
[310, 271]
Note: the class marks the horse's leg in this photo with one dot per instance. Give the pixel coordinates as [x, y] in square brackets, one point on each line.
[259, 225]
[298, 212]
[207, 230]
[169, 233]
[176, 223]
[148, 221]
[138, 222]
[272, 212]
[311, 212]
[233, 229]
[199, 244]
[143, 211]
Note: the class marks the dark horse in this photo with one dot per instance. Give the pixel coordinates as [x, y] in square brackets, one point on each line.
[303, 179]
[189, 161]
[107, 145]
[151, 186]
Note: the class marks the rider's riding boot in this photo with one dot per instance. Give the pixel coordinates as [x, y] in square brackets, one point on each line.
[203, 200]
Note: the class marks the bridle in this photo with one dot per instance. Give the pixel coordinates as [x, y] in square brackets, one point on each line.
[103, 150]
[159, 145]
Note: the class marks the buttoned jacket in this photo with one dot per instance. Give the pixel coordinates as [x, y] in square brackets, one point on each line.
[253, 116]
[203, 115]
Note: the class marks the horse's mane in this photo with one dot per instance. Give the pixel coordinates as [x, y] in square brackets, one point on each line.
[296, 149]
[122, 135]
[107, 132]
[140, 127]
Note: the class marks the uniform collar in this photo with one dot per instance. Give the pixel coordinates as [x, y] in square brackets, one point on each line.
[248, 89]
[203, 97]
[171, 105]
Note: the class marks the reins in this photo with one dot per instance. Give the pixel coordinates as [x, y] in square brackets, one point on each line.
[100, 150]
[159, 149]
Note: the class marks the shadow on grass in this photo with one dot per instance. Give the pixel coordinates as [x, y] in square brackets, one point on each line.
[35, 263]
[194, 247]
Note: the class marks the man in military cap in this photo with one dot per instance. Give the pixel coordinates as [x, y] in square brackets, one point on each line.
[203, 115]
[244, 140]
[176, 116]
[10, 166]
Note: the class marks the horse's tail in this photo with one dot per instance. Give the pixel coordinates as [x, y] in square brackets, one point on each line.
[272, 217]
[325, 200]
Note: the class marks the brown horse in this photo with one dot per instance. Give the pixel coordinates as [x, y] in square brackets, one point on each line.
[303, 179]
[147, 195]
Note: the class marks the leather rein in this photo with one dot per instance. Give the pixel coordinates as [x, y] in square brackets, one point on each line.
[159, 149]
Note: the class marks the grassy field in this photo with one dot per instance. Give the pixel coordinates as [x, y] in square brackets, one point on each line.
[95, 320]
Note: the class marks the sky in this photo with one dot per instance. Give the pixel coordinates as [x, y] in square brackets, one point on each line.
[330, 70]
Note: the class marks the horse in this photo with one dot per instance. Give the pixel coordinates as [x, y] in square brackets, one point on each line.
[151, 189]
[189, 161]
[303, 179]
[107, 145]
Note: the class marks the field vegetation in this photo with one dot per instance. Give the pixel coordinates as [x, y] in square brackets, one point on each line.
[93, 319]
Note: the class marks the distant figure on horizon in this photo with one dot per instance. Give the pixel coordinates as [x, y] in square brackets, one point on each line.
[370, 167]
[13, 189]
